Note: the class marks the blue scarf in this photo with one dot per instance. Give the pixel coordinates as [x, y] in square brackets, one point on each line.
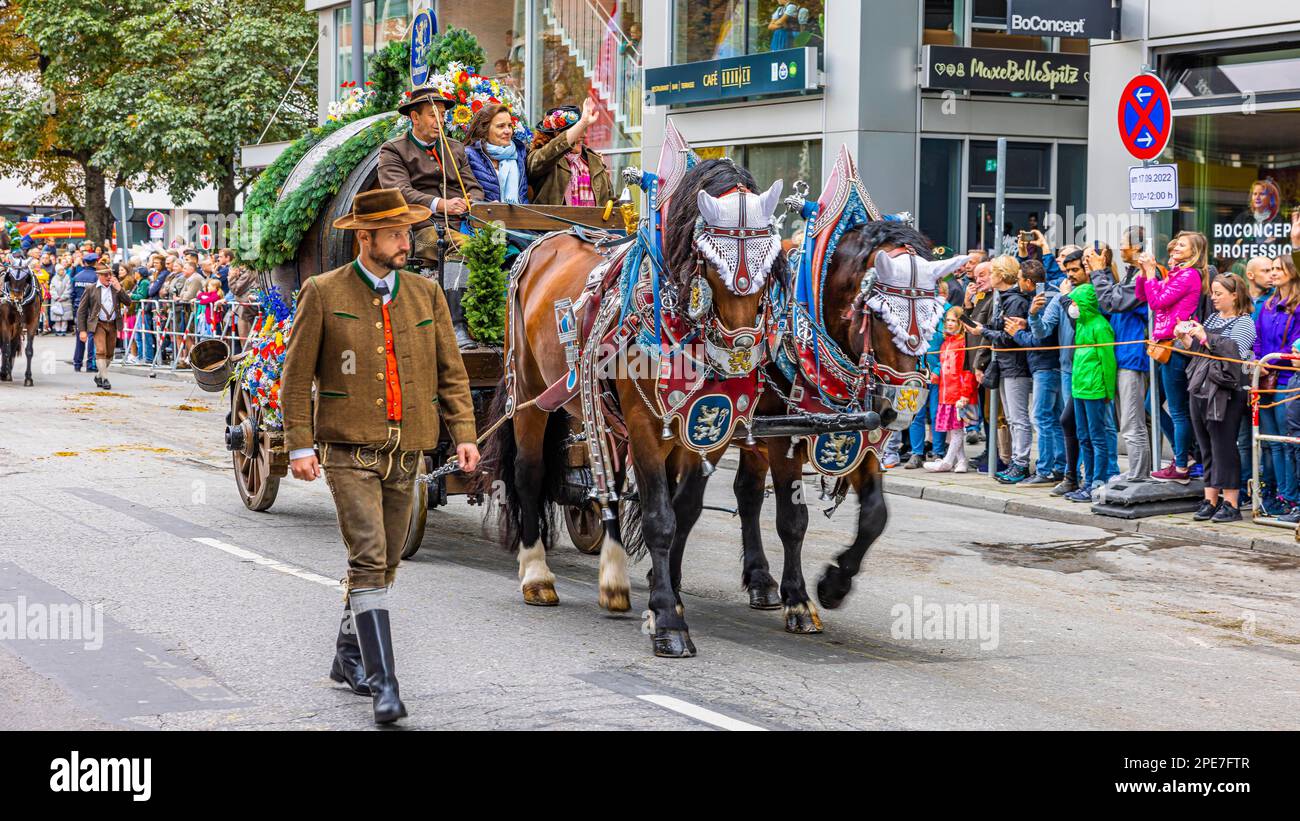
[507, 169]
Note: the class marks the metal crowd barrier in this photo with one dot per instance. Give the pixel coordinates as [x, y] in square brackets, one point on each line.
[172, 327]
[1256, 437]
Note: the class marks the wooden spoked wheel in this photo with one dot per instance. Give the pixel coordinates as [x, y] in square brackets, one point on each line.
[255, 473]
[585, 528]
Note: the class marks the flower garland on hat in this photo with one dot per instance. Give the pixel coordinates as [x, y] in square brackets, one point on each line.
[467, 91]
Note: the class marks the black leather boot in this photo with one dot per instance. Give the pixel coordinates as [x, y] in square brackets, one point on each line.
[463, 338]
[381, 671]
[347, 668]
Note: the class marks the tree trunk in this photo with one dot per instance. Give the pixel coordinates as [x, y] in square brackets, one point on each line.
[98, 219]
[227, 190]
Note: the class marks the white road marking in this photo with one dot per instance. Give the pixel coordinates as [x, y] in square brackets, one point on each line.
[257, 558]
[700, 713]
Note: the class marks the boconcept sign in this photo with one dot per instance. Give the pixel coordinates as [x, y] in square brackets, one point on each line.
[1083, 19]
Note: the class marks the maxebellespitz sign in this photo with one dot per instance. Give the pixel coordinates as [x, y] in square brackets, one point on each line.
[996, 69]
[792, 69]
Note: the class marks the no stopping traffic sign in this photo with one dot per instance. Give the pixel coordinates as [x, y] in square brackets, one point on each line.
[1145, 118]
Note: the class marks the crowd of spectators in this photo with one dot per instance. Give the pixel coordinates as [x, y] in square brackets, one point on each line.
[178, 297]
[1066, 337]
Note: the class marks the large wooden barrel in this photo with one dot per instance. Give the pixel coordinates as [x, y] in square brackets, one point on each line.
[323, 247]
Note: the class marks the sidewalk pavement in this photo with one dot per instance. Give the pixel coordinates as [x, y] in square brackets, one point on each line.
[979, 491]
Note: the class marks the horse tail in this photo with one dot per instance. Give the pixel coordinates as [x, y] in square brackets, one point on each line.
[629, 516]
[500, 453]
[498, 460]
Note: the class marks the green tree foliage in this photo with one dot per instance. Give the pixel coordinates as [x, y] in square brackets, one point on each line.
[154, 94]
[456, 45]
[55, 58]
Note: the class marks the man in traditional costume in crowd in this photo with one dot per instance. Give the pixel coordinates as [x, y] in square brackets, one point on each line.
[431, 170]
[380, 350]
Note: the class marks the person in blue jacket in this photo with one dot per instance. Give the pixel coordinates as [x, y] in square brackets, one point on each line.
[83, 280]
[497, 156]
[1117, 296]
[1045, 369]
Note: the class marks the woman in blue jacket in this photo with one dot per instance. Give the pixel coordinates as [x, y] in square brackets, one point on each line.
[496, 155]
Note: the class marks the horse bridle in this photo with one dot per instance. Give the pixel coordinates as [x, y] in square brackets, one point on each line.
[28, 294]
[869, 370]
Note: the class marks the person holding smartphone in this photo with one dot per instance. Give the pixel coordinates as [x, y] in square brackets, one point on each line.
[1174, 299]
[1116, 283]
[1014, 378]
[1218, 389]
[1045, 371]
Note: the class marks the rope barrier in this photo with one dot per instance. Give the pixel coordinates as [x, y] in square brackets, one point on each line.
[1253, 392]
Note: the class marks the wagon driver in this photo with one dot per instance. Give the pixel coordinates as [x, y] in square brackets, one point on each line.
[432, 170]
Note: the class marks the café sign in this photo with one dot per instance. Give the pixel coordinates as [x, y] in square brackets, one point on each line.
[730, 78]
[1005, 70]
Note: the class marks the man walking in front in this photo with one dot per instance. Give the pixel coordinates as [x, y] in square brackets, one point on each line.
[378, 345]
[99, 318]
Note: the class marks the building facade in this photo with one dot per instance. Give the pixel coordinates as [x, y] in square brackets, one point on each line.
[1233, 74]
[921, 144]
[555, 52]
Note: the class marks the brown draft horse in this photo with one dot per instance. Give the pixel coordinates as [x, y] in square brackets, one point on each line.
[853, 257]
[20, 311]
[525, 455]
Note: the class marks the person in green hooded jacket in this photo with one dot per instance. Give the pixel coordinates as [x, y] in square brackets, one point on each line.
[1093, 387]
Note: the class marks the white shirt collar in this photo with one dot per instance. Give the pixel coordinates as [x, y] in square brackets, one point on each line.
[390, 280]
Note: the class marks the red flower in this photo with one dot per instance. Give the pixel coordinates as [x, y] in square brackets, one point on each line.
[462, 77]
[494, 100]
[462, 96]
[369, 83]
[477, 104]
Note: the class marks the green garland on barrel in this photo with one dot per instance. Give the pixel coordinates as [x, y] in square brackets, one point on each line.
[282, 227]
[389, 71]
[485, 297]
[388, 80]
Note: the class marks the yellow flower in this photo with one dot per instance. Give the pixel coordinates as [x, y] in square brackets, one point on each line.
[462, 115]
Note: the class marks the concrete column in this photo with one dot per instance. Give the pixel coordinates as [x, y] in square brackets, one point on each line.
[872, 95]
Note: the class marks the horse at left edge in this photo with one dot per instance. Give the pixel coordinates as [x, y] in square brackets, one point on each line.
[20, 311]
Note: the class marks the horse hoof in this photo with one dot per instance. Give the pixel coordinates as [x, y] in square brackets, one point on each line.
[541, 594]
[616, 601]
[832, 588]
[27, 383]
[767, 597]
[802, 618]
[673, 644]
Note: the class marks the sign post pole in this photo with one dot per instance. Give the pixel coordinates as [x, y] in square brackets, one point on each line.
[1000, 216]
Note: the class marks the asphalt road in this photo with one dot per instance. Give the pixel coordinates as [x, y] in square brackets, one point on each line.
[216, 617]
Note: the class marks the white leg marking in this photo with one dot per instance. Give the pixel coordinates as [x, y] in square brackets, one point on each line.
[532, 566]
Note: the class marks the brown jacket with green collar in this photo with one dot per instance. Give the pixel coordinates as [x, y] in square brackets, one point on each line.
[337, 344]
[549, 174]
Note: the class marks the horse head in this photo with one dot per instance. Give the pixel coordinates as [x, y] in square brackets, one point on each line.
[721, 229]
[884, 271]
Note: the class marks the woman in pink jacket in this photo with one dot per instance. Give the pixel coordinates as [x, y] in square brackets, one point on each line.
[1174, 299]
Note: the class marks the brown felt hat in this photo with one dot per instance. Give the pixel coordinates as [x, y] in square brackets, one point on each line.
[102, 266]
[422, 95]
[381, 208]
